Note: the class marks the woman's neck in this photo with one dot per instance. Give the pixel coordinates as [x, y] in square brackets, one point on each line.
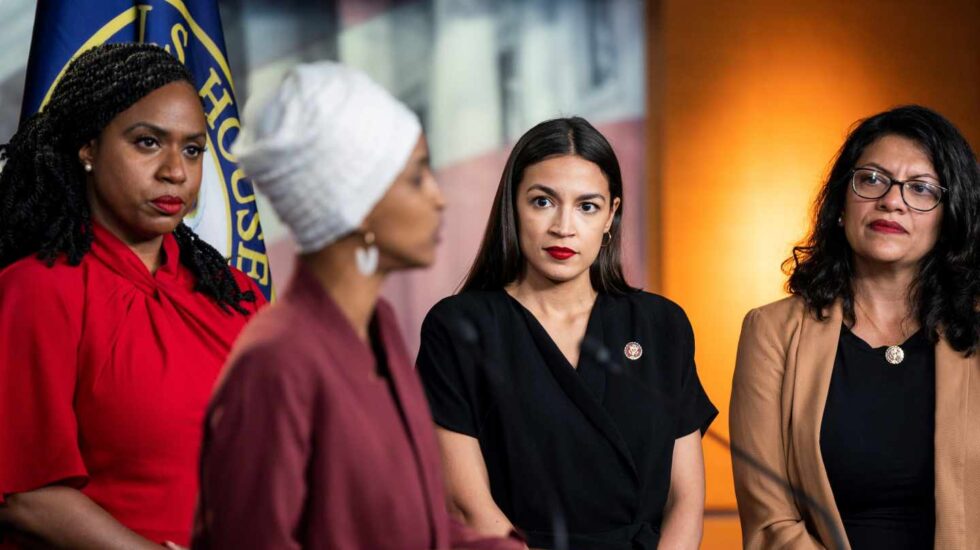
[883, 286]
[567, 298]
[354, 293]
[882, 297]
[149, 252]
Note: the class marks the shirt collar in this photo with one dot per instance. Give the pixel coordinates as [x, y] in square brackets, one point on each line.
[119, 258]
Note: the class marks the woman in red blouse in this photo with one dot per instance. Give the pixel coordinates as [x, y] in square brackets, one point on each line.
[114, 317]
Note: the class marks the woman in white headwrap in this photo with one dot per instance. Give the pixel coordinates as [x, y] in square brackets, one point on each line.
[319, 435]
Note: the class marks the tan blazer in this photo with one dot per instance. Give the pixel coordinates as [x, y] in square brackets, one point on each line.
[782, 376]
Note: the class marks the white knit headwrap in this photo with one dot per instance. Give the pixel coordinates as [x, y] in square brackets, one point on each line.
[325, 148]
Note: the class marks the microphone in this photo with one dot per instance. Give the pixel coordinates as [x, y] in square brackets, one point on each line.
[743, 455]
[468, 333]
[601, 355]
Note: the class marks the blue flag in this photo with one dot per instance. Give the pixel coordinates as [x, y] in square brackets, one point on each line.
[225, 215]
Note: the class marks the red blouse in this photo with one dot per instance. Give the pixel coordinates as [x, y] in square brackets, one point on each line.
[105, 373]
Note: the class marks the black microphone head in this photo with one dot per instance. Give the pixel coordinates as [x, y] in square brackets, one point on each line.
[466, 331]
[598, 351]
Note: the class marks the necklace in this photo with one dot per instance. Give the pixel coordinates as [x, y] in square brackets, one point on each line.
[893, 354]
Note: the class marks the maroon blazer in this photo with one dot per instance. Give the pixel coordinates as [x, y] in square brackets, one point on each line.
[307, 447]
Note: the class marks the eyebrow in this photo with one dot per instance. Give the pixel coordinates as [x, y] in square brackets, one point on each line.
[161, 131]
[881, 168]
[552, 193]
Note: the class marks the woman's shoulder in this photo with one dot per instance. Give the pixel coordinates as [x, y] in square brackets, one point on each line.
[469, 303]
[650, 300]
[780, 312]
[246, 283]
[42, 281]
[776, 321]
[653, 306]
[276, 342]
[32, 266]
[50, 298]
[242, 278]
[472, 312]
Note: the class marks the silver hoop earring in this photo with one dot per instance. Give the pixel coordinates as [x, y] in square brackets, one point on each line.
[366, 256]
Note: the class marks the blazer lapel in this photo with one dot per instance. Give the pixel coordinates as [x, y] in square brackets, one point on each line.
[953, 372]
[815, 358]
[410, 399]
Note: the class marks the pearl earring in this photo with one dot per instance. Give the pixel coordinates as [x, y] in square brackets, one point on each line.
[87, 167]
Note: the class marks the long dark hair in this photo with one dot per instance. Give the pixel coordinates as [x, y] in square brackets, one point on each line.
[43, 206]
[946, 292]
[500, 261]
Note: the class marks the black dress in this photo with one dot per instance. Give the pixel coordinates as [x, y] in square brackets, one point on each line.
[587, 451]
[877, 443]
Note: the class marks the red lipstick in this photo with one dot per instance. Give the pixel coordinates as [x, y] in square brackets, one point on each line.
[560, 252]
[168, 204]
[885, 226]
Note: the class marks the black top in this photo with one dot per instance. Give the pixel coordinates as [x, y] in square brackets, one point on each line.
[588, 448]
[877, 443]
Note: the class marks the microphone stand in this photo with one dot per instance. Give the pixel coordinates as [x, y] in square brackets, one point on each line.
[467, 332]
[598, 351]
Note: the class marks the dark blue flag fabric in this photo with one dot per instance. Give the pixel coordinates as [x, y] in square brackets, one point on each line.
[226, 215]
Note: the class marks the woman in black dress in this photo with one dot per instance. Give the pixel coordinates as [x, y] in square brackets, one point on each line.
[567, 402]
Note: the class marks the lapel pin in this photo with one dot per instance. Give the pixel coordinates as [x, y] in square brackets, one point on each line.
[633, 351]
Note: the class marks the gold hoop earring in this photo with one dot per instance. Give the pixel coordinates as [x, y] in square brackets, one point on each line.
[605, 241]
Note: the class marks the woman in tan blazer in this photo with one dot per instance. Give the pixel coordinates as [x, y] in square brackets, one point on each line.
[855, 413]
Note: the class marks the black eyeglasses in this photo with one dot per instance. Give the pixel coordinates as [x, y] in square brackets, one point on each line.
[922, 196]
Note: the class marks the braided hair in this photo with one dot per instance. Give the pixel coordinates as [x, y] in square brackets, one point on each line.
[43, 206]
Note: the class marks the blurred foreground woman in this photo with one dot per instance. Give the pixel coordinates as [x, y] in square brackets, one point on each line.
[319, 436]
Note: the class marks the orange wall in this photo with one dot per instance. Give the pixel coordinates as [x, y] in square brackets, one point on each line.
[749, 100]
